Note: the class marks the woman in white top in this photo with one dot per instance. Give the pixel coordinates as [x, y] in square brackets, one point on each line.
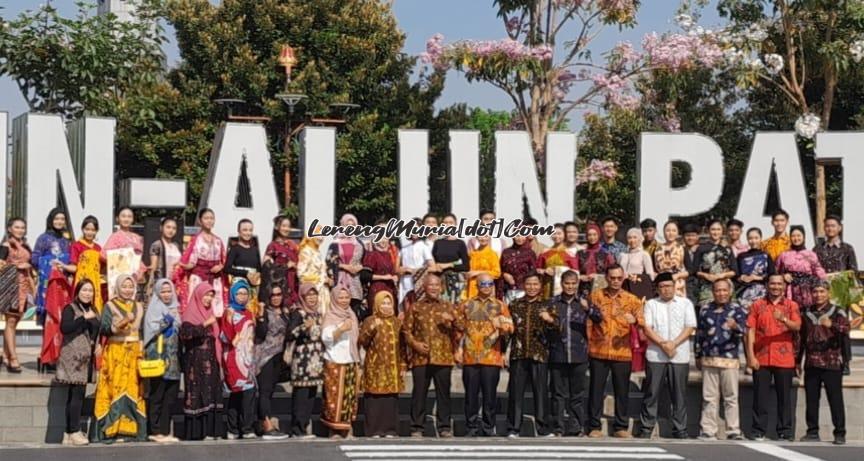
[637, 265]
[340, 332]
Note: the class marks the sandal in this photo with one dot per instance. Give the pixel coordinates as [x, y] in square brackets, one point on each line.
[13, 368]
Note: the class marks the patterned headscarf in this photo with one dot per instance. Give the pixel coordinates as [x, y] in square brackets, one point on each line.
[239, 284]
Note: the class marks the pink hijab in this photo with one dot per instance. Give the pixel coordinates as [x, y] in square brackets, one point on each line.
[196, 313]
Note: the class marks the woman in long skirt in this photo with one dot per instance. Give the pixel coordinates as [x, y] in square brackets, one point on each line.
[86, 259]
[382, 367]
[203, 261]
[202, 382]
[341, 365]
[307, 357]
[51, 258]
[162, 320]
[119, 408]
[14, 252]
[238, 361]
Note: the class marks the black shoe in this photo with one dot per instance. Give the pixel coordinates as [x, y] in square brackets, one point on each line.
[681, 436]
[786, 438]
[839, 440]
[846, 370]
[810, 438]
[274, 435]
[757, 437]
[644, 434]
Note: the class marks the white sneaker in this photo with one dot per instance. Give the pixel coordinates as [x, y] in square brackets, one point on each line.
[232, 436]
[513, 436]
[66, 440]
[250, 436]
[78, 439]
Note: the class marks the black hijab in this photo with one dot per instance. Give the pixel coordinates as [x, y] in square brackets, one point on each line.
[800, 229]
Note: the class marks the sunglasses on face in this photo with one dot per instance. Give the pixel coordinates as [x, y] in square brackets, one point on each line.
[486, 284]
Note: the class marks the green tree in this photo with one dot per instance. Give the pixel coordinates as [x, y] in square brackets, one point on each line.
[86, 64]
[347, 51]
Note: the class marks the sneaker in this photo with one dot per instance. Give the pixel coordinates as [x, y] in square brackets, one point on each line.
[209, 438]
[417, 435]
[681, 436]
[757, 437]
[78, 439]
[512, 435]
[734, 436]
[232, 436]
[595, 434]
[307, 437]
[155, 438]
[811, 438]
[170, 439]
[548, 436]
[391, 436]
[66, 440]
[623, 435]
[786, 438]
[839, 440]
[250, 435]
[273, 435]
[376, 436]
[445, 434]
[707, 437]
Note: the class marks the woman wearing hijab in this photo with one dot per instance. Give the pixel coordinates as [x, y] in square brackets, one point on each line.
[238, 361]
[801, 269]
[382, 368]
[384, 271]
[15, 252]
[270, 331]
[592, 261]
[80, 325]
[162, 319]
[345, 261]
[202, 382]
[311, 268]
[51, 259]
[637, 265]
[119, 405]
[307, 357]
[341, 364]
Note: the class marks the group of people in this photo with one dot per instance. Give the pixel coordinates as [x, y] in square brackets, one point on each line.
[352, 320]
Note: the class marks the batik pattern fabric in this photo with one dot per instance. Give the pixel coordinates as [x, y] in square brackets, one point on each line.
[341, 392]
[424, 324]
[282, 252]
[204, 255]
[775, 246]
[593, 260]
[49, 248]
[123, 240]
[518, 261]
[758, 263]
[312, 268]
[201, 372]
[347, 251]
[119, 406]
[19, 254]
[485, 260]
[557, 257]
[714, 259]
[238, 354]
[385, 357]
[608, 330]
[716, 344]
[532, 335]
[483, 342]
[821, 346]
[806, 271]
[775, 343]
[836, 257]
[307, 364]
[87, 258]
[669, 258]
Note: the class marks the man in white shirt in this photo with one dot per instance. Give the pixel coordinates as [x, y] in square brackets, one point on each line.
[416, 254]
[669, 322]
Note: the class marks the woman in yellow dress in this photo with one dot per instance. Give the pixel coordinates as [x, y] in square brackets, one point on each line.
[311, 268]
[483, 260]
[119, 404]
[86, 259]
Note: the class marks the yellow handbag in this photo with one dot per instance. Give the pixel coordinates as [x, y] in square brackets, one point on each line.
[152, 368]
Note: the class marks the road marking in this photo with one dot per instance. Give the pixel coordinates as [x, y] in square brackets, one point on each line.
[516, 452]
[532, 448]
[778, 451]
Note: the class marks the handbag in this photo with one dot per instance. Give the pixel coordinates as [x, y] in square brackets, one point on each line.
[153, 368]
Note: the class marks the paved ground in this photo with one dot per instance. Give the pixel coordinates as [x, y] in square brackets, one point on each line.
[453, 450]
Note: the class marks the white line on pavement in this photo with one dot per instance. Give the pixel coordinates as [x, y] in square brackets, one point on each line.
[531, 448]
[404, 455]
[778, 451]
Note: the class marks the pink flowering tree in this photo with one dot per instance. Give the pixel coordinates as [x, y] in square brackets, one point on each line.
[537, 76]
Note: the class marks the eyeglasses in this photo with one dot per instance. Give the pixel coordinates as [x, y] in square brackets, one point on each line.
[486, 283]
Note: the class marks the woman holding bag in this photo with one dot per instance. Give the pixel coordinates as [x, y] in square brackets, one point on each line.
[161, 342]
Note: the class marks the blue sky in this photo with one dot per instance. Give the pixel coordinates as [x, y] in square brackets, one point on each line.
[420, 19]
